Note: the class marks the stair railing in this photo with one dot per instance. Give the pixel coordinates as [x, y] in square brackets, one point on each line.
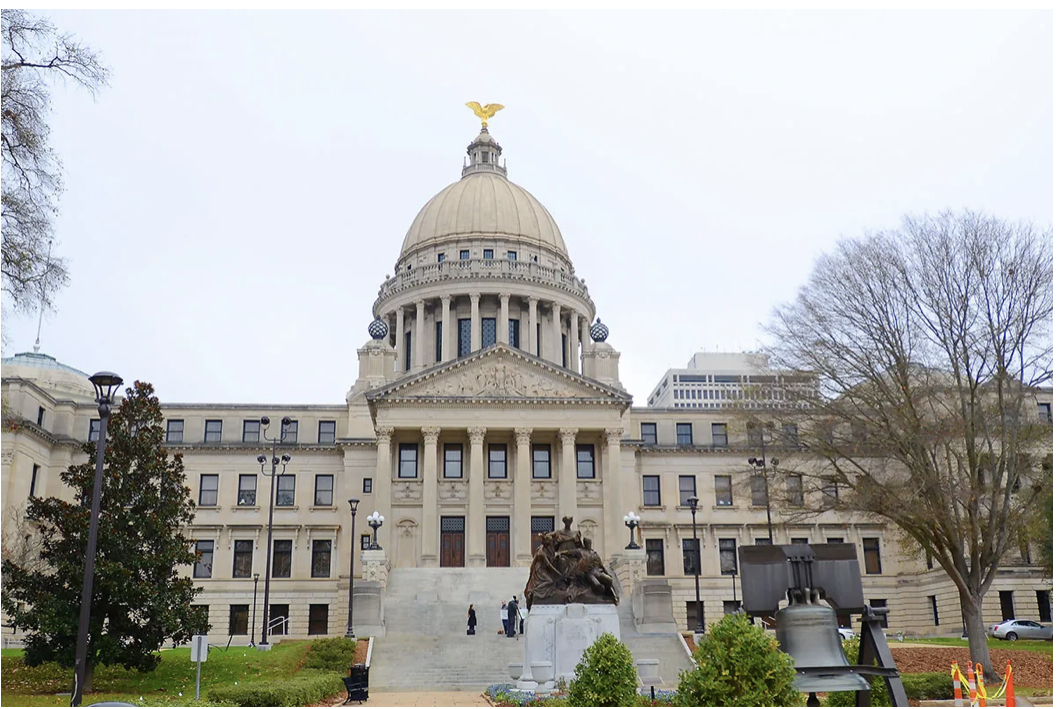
[282, 620]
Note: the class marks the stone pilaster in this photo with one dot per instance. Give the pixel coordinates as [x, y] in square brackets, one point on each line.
[612, 490]
[399, 338]
[531, 337]
[502, 324]
[557, 338]
[476, 324]
[572, 341]
[476, 522]
[568, 479]
[419, 360]
[523, 472]
[429, 554]
[383, 475]
[446, 334]
[585, 341]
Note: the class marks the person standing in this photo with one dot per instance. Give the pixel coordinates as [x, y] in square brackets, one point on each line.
[513, 617]
[472, 620]
[504, 616]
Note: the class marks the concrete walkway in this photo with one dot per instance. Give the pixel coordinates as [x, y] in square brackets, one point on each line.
[422, 699]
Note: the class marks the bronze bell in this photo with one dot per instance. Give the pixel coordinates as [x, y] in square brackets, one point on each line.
[810, 634]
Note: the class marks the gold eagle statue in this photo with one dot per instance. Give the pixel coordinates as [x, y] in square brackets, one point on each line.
[484, 112]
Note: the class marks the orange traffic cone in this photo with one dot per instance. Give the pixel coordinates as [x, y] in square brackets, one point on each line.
[1010, 686]
[958, 698]
[981, 685]
[971, 685]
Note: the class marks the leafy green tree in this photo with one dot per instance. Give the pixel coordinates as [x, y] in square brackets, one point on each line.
[139, 600]
[738, 665]
[605, 677]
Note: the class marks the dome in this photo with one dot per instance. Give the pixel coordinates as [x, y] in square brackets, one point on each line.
[51, 375]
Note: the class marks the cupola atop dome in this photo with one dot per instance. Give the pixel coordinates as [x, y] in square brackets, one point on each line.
[484, 155]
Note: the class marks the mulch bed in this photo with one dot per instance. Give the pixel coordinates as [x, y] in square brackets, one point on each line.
[362, 652]
[1029, 669]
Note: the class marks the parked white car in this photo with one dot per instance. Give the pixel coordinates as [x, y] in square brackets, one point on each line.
[1022, 630]
[847, 634]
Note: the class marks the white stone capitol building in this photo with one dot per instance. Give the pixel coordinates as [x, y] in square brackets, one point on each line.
[487, 407]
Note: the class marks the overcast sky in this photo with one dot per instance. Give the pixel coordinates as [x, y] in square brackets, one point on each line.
[237, 194]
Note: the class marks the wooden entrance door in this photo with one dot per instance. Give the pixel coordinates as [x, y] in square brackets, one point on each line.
[452, 541]
[497, 542]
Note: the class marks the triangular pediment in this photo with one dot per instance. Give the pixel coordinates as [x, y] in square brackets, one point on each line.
[499, 374]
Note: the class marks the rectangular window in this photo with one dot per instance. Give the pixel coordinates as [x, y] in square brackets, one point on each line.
[930, 560]
[720, 435]
[880, 603]
[438, 341]
[1045, 610]
[321, 559]
[33, 481]
[835, 540]
[762, 541]
[758, 490]
[463, 328]
[212, 433]
[407, 460]
[40, 416]
[251, 431]
[285, 491]
[563, 350]
[800, 540]
[366, 485]
[203, 559]
[722, 490]
[441, 257]
[408, 350]
[586, 461]
[934, 609]
[872, 555]
[652, 497]
[248, 491]
[694, 615]
[489, 332]
[366, 542]
[538, 350]
[464, 254]
[513, 333]
[684, 434]
[789, 435]
[727, 554]
[93, 430]
[794, 483]
[542, 461]
[487, 253]
[656, 560]
[175, 431]
[324, 491]
[1045, 413]
[318, 613]
[498, 461]
[831, 492]
[242, 559]
[648, 434]
[276, 612]
[207, 490]
[730, 607]
[237, 619]
[690, 554]
[454, 461]
[1008, 608]
[512, 255]
[281, 558]
[326, 432]
[289, 433]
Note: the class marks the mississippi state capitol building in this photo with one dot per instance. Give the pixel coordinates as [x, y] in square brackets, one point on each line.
[488, 405]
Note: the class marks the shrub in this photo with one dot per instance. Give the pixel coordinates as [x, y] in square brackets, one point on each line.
[333, 654]
[879, 697]
[307, 687]
[928, 685]
[738, 664]
[605, 677]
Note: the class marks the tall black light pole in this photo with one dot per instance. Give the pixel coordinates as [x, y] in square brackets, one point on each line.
[284, 424]
[693, 504]
[106, 383]
[758, 467]
[254, 611]
[353, 538]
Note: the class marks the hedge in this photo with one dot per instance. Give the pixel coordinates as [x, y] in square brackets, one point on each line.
[307, 687]
[334, 654]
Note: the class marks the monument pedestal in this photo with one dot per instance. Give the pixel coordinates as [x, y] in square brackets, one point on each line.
[558, 635]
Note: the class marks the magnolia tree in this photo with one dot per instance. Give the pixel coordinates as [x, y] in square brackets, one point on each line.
[930, 344]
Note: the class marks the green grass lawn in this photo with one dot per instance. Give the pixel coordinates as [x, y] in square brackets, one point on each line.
[1043, 646]
[175, 676]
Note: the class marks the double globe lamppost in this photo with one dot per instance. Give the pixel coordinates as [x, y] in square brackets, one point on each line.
[375, 521]
[632, 521]
[276, 461]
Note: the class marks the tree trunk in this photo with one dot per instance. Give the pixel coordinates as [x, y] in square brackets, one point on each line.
[90, 669]
[972, 610]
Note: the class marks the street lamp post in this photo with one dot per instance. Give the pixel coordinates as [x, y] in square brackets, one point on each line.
[693, 504]
[632, 521]
[353, 538]
[285, 459]
[254, 611]
[758, 466]
[375, 521]
[106, 383]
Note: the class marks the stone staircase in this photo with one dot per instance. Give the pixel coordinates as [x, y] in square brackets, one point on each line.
[666, 648]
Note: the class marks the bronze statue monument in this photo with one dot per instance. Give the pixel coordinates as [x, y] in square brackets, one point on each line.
[565, 570]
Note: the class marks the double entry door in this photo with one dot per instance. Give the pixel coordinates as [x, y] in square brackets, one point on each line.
[452, 542]
[498, 542]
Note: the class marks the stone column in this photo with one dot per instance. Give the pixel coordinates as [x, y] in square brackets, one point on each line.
[568, 479]
[585, 340]
[572, 341]
[557, 340]
[612, 489]
[521, 498]
[476, 496]
[476, 324]
[445, 327]
[502, 325]
[531, 337]
[399, 339]
[383, 474]
[429, 555]
[419, 359]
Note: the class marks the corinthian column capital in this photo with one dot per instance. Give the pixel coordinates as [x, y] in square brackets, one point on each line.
[614, 435]
[477, 434]
[522, 436]
[567, 435]
[383, 434]
[430, 434]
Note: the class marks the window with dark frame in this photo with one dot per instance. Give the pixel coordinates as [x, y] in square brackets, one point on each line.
[727, 555]
[762, 541]
[758, 491]
[489, 332]
[586, 457]
[513, 333]
[366, 542]
[366, 485]
[723, 490]
[719, 435]
[408, 350]
[831, 492]
[464, 254]
[651, 494]
[1045, 608]
[175, 431]
[690, 556]
[1045, 413]
[563, 350]
[204, 559]
[248, 491]
[438, 341]
[276, 611]
[290, 432]
[207, 491]
[453, 466]
[648, 434]
[93, 430]
[684, 434]
[212, 432]
[498, 461]
[281, 558]
[318, 613]
[40, 416]
[242, 558]
[794, 485]
[800, 540]
[463, 330]
[321, 564]
[789, 435]
[326, 432]
[656, 557]
[251, 431]
[686, 488]
[934, 609]
[33, 481]
[487, 254]
[512, 255]
[542, 453]
[408, 464]
[324, 491]
[238, 615]
[693, 614]
[285, 491]
[835, 540]
[873, 565]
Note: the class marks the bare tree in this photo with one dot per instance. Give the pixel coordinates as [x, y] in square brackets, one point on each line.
[930, 342]
[34, 54]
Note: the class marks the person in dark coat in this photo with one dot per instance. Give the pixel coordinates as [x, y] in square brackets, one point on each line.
[472, 620]
[513, 617]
